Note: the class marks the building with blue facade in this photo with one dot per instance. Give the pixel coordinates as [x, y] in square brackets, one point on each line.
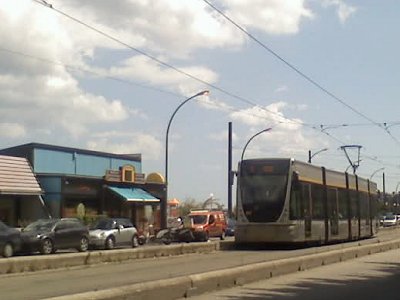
[85, 183]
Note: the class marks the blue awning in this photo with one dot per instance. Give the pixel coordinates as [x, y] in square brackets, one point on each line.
[133, 194]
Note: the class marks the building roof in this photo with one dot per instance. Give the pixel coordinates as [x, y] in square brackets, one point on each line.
[11, 150]
[17, 178]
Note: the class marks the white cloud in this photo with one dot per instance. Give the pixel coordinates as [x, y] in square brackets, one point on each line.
[286, 136]
[223, 136]
[12, 130]
[214, 104]
[52, 94]
[142, 68]
[281, 89]
[164, 26]
[271, 16]
[261, 116]
[127, 143]
[344, 10]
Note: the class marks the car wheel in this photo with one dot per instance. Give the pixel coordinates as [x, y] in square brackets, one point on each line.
[135, 241]
[47, 247]
[84, 244]
[8, 250]
[110, 243]
[206, 236]
[167, 238]
[222, 237]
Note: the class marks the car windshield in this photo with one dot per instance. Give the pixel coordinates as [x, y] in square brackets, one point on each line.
[390, 218]
[104, 224]
[40, 225]
[199, 219]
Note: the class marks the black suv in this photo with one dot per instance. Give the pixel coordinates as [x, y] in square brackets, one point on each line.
[10, 240]
[49, 235]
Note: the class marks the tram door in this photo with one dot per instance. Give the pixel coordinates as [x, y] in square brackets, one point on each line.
[354, 215]
[306, 189]
[333, 215]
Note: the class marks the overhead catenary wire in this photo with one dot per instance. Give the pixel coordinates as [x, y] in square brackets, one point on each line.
[160, 62]
[237, 97]
[299, 72]
[167, 65]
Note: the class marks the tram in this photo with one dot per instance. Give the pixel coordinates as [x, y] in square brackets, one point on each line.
[289, 201]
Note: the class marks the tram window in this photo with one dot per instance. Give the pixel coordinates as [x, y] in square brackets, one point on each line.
[364, 208]
[354, 204]
[317, 193]
[296, 205]
[343, 215]
[374, 205]
[332, 203]
[305, 200]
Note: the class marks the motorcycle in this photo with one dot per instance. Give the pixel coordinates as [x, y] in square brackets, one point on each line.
[178, 234]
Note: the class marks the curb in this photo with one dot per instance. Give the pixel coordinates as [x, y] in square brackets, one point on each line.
[47, 262]
[186, 286]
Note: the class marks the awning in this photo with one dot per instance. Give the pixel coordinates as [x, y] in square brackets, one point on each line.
[133, 194]
[17, 177]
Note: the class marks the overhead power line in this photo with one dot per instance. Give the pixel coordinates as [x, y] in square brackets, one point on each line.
[299, 72]
[162, 63]
[242, 99]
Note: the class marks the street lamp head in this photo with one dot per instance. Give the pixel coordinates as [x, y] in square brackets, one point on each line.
[319, 151]
[203, 93]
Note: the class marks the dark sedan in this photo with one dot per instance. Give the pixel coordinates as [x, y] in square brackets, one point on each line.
[230, 228]
[49, 235]
[10, 240]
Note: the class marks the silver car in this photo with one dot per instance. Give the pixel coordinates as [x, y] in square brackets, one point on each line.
[108, 233]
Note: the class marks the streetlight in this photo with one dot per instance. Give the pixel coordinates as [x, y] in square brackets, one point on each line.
[311, 156]
[258, 133]
[376, 171]
[397, 187]
[163, 206]
[396, 195]
[354, 167]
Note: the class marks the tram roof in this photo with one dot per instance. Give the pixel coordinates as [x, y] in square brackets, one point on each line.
[313, 173]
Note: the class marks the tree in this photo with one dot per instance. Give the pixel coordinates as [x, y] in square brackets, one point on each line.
[187, 205]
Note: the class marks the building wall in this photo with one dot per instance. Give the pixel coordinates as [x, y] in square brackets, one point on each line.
[72, 163]
[72, 176]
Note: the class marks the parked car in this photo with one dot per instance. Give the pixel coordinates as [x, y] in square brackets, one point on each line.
[49, 235]
[381, 219]
[10, 240]
[230, 228]
[109, 233]
[390, 220]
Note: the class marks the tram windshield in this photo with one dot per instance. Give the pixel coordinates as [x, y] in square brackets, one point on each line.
[263, 189]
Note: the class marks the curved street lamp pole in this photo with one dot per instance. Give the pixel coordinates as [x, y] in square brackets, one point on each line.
[311, 156]
[258, 133]
[163, 206]
[376, 171]
[397, 187]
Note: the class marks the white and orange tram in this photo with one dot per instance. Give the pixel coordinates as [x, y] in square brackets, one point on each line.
[288, 201]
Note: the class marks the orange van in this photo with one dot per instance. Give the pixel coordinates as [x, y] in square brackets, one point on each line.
[205, 224]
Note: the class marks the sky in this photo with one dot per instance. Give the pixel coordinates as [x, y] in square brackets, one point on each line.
[108, 76]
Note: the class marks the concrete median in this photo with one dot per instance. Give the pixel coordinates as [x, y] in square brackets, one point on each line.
[186, 286]
[33, 263]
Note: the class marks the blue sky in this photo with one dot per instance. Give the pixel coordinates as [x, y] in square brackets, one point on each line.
[62, 83]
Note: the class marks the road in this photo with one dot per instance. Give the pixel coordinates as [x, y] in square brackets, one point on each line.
[371, 277]
[44, 284]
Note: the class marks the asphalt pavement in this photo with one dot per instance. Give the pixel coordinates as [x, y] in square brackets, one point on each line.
[374, 277]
